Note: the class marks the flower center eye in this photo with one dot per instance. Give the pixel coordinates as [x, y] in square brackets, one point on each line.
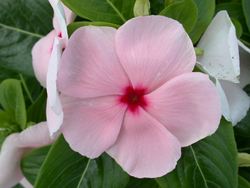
[134, 97]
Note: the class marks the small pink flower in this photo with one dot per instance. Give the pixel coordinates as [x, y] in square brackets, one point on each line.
[42, 50]
[46, 55]
[131, 92]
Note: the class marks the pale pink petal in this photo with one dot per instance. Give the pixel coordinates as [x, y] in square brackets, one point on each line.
[188, 106]
[14, 147]
[244, 65]
[91, 126]
[41, 53]
[25, 183]
[67, 14]
[154, 49]
[59, 20]
[54, 120]
[53, 95]
[220, 45]
[89, 65]
[238, 101]
[145, 148]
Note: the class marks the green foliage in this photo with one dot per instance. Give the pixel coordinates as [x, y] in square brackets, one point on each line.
[212, 162]
[22, 23]
[113, 11]
[32, 162]
[206, 9]
[12, 101]
[243, 183]
[75, 25]
[185, 11]
[37, 111]
[246, 10]
[64, 168]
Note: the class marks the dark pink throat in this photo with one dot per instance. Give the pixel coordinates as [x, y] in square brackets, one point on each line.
[134, 98]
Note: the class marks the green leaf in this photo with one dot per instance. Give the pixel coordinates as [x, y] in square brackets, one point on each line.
[206, 9]
[75, 25]
[243, 183]
[185, 11]
[246, 10]
[22, 23]
[113, 11]
[234, 9]
[32, 162]
[238, 27]
[37, 111]
[64, 168]
[210, 163]
[12, 101]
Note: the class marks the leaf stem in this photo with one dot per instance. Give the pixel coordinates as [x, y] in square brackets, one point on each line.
[21, 30]
[198, 165]
[83, 174]
[116, 10]
[26, 88]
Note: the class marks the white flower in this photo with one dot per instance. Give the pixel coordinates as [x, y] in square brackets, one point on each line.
[222, 62]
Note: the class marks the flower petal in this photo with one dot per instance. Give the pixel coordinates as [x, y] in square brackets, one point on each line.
[244, 65]
[59, 20]
[188, 106]
[154, 49]
[89, 65]
[238, 101]
[91, 126]
[225, 109]
[41, 53]
[69, 17]
[54, 120]
[221, 53]
[144, 147]
[15, 146]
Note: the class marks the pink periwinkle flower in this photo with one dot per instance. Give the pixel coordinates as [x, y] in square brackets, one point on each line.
[131, 93]
[42, 50]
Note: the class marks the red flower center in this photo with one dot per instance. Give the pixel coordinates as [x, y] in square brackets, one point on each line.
[134, 97]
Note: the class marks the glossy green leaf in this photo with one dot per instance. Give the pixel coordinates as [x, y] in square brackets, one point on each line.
[12, 101]
[75, 25]
[246, 10]
[32, 162]
[243, 183]
[22, 23]
[206, 9]
[64, 168]
[210, 163]
[113, 11]
[185, 11]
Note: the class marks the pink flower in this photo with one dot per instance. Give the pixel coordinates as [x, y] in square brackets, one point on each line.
[46, 55]
[42, 50]
[131, 93]
[13, 148]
